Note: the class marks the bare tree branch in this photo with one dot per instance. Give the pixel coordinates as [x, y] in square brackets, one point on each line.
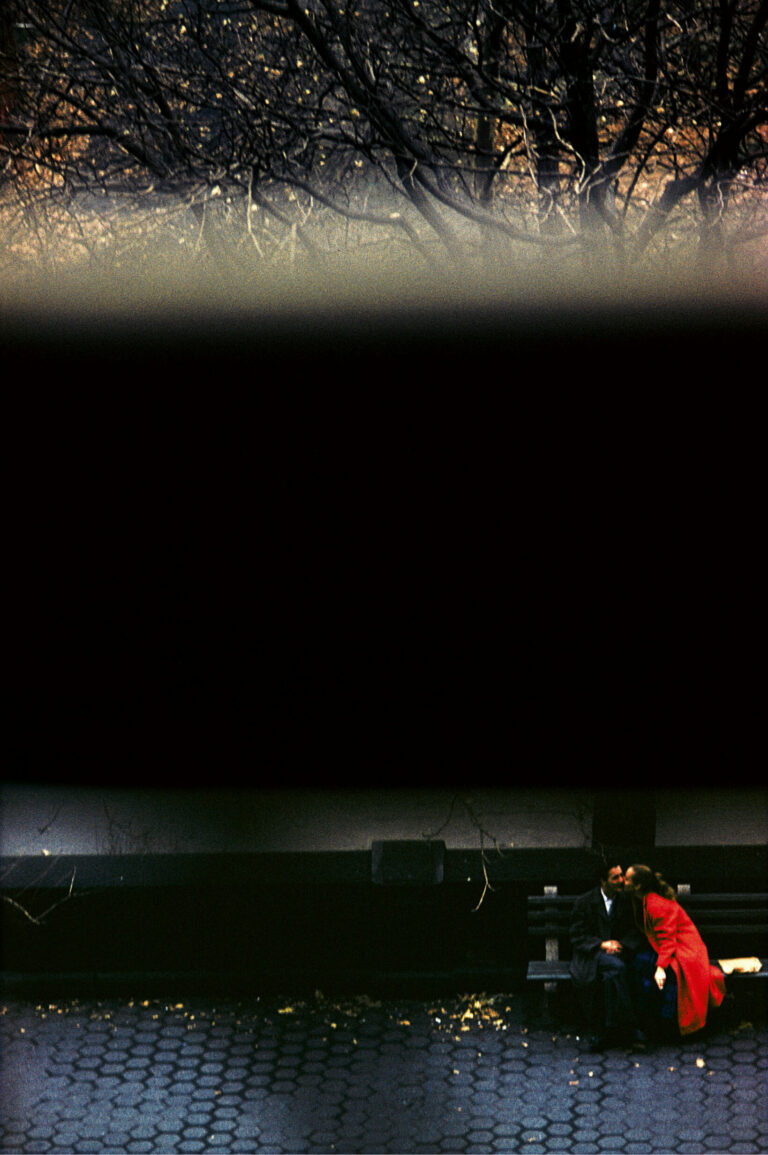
[39, 919]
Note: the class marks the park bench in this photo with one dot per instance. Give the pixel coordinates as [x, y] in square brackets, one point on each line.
[728, 918]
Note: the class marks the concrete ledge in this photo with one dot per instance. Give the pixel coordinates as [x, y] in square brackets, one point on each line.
[724, 867]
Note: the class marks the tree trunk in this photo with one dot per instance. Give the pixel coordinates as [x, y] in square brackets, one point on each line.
[425, 206]
[485, 140]
[545, 144]
[8, 91]
[712, 202]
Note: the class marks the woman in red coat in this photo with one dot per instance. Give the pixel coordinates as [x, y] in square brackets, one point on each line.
[679, 948]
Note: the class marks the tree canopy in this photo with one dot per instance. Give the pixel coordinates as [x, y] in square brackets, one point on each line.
[450, 127]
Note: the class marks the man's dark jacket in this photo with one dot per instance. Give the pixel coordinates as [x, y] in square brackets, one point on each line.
[591, 925]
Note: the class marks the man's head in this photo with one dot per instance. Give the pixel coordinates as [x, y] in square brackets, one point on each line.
[612, 880]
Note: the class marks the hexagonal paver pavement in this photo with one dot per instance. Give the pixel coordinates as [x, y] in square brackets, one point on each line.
[477, 1074]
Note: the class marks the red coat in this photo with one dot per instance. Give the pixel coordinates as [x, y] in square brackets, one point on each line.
[673, 936]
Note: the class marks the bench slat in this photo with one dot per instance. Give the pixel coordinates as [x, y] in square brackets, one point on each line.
[756, 898]
[560, 903]
[732, 928]
[557, 970]
[548, 970]
[715, 926]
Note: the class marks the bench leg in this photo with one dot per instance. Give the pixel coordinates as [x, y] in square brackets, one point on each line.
[551, 950]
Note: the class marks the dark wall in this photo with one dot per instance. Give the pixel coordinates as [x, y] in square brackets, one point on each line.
[313, 921]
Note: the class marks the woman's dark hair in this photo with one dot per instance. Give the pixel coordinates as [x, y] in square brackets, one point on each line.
[650, 881]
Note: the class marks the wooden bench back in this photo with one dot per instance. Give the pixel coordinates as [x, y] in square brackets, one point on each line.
[737, 915]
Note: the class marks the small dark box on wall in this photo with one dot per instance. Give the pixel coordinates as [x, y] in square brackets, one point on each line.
[408, 863]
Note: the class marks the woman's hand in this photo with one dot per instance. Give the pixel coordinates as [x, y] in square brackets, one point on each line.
[660, 977]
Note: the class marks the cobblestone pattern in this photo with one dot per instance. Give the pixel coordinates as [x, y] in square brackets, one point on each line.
[268, 1076]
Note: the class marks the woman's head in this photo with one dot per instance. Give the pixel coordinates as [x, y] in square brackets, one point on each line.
[641, 880]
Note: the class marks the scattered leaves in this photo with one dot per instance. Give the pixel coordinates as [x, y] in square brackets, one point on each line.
[473, 1012]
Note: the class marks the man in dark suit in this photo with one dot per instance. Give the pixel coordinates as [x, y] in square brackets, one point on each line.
[604, 937]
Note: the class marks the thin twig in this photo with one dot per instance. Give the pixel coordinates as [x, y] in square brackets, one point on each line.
[39, 919]
[483, 835]
[447, 822]
[487, 884]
